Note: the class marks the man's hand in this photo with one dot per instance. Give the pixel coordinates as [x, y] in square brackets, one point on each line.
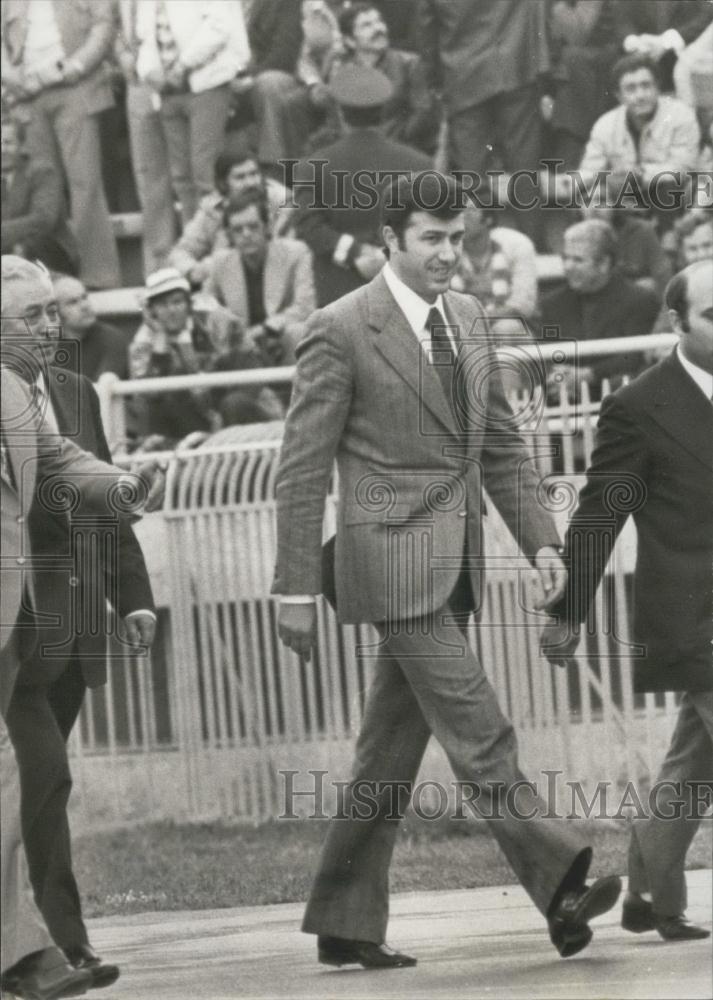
[297, 627]
[140, 629]
[553, 576]
[558, 642]
[155, 478]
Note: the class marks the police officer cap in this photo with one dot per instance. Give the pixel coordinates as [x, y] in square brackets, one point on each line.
[360, 87]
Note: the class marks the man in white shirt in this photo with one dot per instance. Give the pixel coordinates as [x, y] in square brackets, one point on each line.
[653, 459]
[382, 384]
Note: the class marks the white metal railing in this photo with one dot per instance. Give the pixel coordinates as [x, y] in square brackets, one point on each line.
[203, 728]
[113, 391]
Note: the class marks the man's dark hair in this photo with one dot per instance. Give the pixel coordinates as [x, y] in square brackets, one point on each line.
[429, 191]
[225, 162]
[349, 13]
[362, 117]
[631, 63]
[244, 199]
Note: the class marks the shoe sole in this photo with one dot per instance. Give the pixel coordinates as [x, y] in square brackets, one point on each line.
[598, 899]
[337, 963]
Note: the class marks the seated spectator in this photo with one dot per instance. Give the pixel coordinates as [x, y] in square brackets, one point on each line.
[266, 282]
[188, 54]
[640, 255]
[598, 302]
[648, 132]
[102, 348]
[34, 211]
[411, 115]
[177, 340]
[498, 265]
[234, 173]
[694, 234]
[289, 73]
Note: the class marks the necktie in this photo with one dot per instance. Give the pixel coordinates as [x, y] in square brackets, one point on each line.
[446, 368]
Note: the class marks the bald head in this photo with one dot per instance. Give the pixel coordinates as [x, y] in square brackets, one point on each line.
[689, 299]
[75, 308]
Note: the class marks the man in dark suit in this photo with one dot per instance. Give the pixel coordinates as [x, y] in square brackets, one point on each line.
[654, 444]
[382, 384]
[343, 235]
[71, 628]
[34, 211]
[597, 301]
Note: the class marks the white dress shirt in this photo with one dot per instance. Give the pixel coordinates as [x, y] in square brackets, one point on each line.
[702, 378]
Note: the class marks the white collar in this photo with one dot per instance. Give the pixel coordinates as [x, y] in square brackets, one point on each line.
[702, 378]
[414, 308]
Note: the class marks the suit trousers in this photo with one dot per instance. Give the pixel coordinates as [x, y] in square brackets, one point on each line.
[22, 929]
[658, 846]
[40, 718]
[149, 157]
[428, 681]
[194, 127]
[59, 122]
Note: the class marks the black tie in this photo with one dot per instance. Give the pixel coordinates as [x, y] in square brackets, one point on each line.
[447, 358]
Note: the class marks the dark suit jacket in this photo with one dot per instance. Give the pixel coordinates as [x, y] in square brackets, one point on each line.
[620, 309]
[411, 475]
[475, 51]
[320, 227]
[77, 579]
[34, 214]
[653, 459]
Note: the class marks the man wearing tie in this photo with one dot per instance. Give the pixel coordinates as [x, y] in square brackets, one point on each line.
[399, 382]
[654, 446]
[33, 456]
[68, 651]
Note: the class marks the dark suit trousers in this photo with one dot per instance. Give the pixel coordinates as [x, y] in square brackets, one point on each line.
[428, 681]
[658, 846]
[40, 718]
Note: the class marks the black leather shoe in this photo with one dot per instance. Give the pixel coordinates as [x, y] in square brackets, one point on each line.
[679, 929]
[568, 923]
[83, 956]
[343, 951]
[637, 914]
[45, 975]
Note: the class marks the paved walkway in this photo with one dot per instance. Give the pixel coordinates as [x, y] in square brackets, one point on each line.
[476, 943]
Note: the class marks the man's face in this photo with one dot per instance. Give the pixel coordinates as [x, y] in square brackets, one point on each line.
[10, 147]
[699, 245]
[248, 234]
[697, 342]
[30, 317]
[584, 271]
[427, 256]
[370, 34]
[75, 309]
[639, 93]
[171, 311]
[242, 176]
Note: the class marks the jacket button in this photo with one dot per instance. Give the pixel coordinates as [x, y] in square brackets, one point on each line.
[20, 519]
[73, 581]
[462, 513]
[20, 560]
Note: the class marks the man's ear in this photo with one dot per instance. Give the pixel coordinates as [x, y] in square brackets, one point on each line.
[390, 238]
[678, 325]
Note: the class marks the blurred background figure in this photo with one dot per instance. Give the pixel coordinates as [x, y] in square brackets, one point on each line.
[53, 71]
[34, 208]
[102, 347]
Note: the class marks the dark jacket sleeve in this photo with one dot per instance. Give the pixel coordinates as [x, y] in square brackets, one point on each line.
[615, 489]
[42, 210]
[129, 578]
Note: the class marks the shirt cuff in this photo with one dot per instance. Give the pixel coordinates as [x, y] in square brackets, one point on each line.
[298, 599]
[341, 251]
[142, 611]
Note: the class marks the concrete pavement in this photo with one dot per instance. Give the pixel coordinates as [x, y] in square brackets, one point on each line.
[474, 943]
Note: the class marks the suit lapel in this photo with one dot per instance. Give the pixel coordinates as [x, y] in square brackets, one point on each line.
[398, 344]
[680, 407]
[274, 277]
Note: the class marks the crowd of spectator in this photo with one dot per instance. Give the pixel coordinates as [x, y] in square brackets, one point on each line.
[229, 104]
